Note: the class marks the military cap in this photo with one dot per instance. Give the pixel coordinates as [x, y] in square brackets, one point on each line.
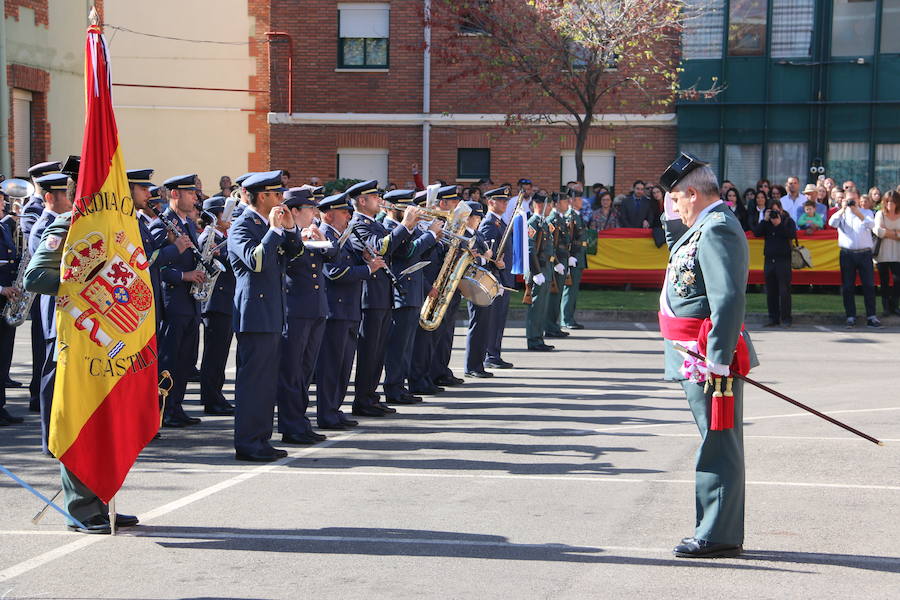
[404, 197]
[182, 182]
[318, 192]
[44, 168]
[539, 198]
[298, 197]
[155, 196]
[269, 181]
[214, 204]
[240, 180]
[680, 167]
[447, 192]
[500, 193]
[524, 181]
[477, 208]
[54, 182]
[335, 201]
[363, 187]
[140, 176]
[420, 198]
[71, 167]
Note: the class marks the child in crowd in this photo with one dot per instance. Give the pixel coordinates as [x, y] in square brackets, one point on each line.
[810, 220]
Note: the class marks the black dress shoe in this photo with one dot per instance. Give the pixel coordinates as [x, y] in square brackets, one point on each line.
[479, 374]
[273, 455]
[694, 548]
[219, 410]
[541, 348]
[556, 334]
[11, 384]
[403, 399]
[574, 326]
[302, 439]
[450, 381]
[194, 375]
[174, 423]
[497, 364]
[333, 427]
[427, 391]
[367, 411]
[387, 409]
[126, 520]
[98, 525]
[10, 418]
[4, 422]
[349, 422]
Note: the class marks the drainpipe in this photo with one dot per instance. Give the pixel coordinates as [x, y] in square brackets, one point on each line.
[5, 166]
[426, 96]
[290, 41]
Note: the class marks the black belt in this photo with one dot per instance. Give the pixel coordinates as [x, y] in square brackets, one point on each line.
[858, 251]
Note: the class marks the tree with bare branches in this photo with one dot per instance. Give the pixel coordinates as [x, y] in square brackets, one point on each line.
[564, 61]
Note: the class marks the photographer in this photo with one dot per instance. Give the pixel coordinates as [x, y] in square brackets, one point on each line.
[778, 229]
[855, 240]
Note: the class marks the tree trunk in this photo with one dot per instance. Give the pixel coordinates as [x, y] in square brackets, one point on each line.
[584, 127]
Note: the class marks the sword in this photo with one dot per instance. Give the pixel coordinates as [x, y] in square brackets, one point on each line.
[778, 394]
[49, 502]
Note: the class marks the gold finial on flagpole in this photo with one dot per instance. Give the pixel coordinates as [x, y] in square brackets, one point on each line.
[94, 17]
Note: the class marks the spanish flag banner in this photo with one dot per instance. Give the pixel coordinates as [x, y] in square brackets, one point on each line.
[105, 404]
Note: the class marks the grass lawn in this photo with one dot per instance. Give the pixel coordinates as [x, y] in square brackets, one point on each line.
[602, 299]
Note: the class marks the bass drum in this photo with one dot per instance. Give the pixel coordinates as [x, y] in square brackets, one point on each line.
[479, 286]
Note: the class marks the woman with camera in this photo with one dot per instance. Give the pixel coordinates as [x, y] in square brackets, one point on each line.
[779, 230]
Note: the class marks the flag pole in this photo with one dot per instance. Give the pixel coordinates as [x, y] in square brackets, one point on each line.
[112, 515]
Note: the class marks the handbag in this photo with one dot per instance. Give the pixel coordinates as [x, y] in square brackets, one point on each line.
[800, 256]
[590, 236]
[877, 247]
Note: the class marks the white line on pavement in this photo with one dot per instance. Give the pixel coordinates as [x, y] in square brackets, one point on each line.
[51, 555]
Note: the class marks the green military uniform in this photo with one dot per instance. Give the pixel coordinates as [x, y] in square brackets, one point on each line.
[561, 241]
[540, 251]
[577, 250]
[707, 278]
[42, 276]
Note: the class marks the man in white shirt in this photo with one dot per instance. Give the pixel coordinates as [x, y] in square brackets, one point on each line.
[855, 240]
[793, 200]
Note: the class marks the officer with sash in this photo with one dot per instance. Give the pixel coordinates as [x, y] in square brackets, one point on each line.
[344, 277]
[307, 308]
[538, 275]
[559, 233]
[59, 194]
[408, 300]
[577, 260]
[702, 309]
[371, 239]
[180, 326]
[217, 313]
[42, 276]
[259, 242]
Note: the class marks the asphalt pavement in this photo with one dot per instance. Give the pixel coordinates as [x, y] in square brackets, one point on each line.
[569, 476]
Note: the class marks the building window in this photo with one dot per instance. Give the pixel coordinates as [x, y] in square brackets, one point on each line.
[747, 27]
[21, 109]
[599, 167]
[364, 31]
[787, 160]
[887, 166]
[473, 163]
[849, 160]
[708, 152]
[742, 164]
[792, 27]
[853, 28]
[704, 21]
[363, 163]
[890, 22]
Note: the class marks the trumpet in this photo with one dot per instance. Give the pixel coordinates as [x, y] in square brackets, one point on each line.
[428, 214]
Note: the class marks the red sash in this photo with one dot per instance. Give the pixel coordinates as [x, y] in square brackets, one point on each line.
[687, 328]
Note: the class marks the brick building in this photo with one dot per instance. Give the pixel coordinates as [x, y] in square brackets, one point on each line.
[368, 100]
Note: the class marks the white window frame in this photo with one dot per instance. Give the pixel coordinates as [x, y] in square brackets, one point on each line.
[22, 101]
[378, 31]
[380, 173]
[568, 171]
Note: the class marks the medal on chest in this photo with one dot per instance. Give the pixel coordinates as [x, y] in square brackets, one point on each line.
[682, 264]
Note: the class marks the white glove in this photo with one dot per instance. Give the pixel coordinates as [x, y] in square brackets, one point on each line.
[717, 369]
[573, 262]
[538, 279]
[502, 291]
[560, 269]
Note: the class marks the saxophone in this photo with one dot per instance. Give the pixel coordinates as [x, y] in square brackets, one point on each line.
[16, 311]
[456, 263]
[202, 291]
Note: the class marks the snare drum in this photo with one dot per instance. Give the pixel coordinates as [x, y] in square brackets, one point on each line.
[479, 286]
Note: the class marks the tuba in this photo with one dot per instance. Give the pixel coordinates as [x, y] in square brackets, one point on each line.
[455, 266]
[16, 310]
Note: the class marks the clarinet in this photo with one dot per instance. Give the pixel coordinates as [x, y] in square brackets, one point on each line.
[210, 267]
[374, 253]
